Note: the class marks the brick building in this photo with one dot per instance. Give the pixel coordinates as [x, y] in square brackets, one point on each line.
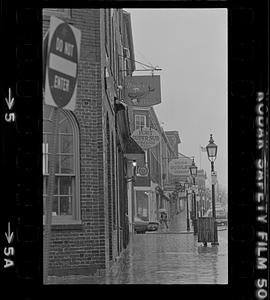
[174, 139]
[172, 181]
[149, 195]
[89, 215]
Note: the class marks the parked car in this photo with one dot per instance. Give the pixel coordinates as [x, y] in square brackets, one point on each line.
[140, 225]
[152, 226]
[221, 216]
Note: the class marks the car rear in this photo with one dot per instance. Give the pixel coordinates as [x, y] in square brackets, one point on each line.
[140, 226]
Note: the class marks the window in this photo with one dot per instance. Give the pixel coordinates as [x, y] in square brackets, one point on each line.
[66, 190]
[140, 121]
[142, 205]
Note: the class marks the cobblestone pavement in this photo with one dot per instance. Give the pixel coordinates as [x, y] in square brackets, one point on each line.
[169, 256]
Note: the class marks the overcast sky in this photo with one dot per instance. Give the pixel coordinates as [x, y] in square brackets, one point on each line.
[190, 46]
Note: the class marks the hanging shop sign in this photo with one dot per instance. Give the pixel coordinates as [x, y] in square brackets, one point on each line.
[146, 137]
[142, 90]
[180, 166]
[200, 178]
[169, 187]
[201, 173]
[62, 61]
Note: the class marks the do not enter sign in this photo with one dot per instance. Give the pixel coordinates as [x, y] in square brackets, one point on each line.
[62, 64]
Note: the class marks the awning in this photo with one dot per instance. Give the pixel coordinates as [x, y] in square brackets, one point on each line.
[133, 151]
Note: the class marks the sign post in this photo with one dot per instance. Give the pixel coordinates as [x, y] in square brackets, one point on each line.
[61, 72]
[214, 178]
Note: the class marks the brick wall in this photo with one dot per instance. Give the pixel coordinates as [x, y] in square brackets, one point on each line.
[81, 249]
[93, 245]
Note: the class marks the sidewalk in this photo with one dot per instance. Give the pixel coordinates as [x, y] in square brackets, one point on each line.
[178, 224]
[170, 256]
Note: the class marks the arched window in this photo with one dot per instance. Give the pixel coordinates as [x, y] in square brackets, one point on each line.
[66, 198]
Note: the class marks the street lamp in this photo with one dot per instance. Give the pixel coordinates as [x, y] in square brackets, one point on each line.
[211, 149]
[186, 188]
[193, 172]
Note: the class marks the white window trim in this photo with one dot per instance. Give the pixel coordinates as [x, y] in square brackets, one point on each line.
[141, 189]
[144, 120]
[75, 218]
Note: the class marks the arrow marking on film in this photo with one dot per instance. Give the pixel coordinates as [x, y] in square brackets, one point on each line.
[8, 235]
[9, 101]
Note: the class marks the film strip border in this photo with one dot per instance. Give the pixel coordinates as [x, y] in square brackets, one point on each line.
[248, 149]
[21, 140]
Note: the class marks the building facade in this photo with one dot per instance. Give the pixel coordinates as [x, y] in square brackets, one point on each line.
[172, 188]
[152, 177]
[89, 215]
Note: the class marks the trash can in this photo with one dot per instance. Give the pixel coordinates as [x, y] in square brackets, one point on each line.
[206, 229]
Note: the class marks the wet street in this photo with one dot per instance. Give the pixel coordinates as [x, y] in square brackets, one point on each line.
[173, 257]
[170, 256]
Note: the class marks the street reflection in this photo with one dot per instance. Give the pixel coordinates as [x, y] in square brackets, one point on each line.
[173, 259]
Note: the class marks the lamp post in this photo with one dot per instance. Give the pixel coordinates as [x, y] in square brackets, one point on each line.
[186, 188]
[212, 154]
[193, 172]
[202, 206]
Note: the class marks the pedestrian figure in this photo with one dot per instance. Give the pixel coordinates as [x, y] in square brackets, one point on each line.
[164, 219]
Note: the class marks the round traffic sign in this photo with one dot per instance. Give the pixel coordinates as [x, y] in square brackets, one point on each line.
[62, 64]
[142, 171]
